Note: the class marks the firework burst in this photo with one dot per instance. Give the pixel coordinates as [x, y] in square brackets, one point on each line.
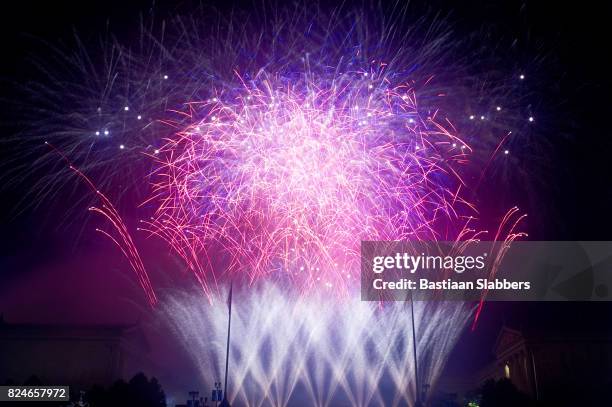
[291, 178]
[292, 135]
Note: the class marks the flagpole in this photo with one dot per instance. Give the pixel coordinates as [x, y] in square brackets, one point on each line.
[229, 326]
[414, 353]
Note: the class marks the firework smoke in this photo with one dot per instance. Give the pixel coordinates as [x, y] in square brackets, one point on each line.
[345, 353]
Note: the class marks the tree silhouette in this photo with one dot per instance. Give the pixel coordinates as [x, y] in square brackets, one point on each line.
[138, 392]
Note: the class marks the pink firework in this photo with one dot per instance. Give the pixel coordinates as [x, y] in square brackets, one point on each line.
[284, 181]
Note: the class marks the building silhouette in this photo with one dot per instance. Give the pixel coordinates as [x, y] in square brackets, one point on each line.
[549, 364]
[75, 355]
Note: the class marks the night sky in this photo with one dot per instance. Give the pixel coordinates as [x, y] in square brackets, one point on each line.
[50, 266]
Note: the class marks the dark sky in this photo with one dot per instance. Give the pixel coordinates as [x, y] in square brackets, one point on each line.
[40, 264]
